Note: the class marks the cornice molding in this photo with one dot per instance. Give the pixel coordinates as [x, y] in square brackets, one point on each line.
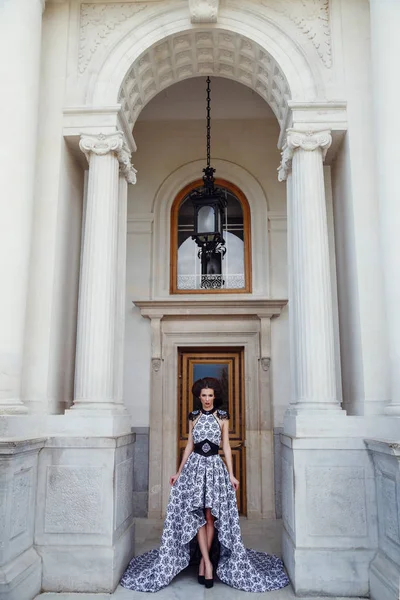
[211, 308]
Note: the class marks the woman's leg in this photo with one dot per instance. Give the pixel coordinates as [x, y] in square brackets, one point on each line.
[209, 527]
[210, 536]
[202, 539]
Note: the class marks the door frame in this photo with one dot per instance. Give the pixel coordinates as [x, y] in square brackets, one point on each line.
[244, 323]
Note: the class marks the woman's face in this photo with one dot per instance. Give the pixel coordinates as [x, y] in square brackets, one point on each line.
[207, 398]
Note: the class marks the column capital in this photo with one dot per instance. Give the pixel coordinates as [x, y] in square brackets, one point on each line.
[309, 140]
[103, 143]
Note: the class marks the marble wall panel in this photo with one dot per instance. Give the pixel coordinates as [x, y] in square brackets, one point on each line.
[74, 499]
[336, 501]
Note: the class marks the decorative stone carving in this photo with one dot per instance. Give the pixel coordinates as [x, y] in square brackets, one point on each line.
[265, 363]
[312, 18]
[102, 144]
[74, 499]
[156, 364]
[125, 165]
[97, 22]
[307, 140]
[203, 53]
[203, 11]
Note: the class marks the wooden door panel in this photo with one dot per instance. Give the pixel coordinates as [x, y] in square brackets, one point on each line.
[227, 365]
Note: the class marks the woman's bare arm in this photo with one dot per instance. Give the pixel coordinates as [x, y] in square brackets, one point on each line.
[226, 447]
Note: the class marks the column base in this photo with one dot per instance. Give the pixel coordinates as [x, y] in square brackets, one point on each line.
[21, 426]
[338, 424]
[92, 419]
[88, 408]
[392, 410]
[314, 408]
[21, 578]
[298, 422]
[15, 407]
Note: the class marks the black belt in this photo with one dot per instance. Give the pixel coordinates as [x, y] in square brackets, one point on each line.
[206, 448]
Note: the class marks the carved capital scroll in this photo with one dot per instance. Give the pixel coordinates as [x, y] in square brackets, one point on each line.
[306, 140]
[125, 165]
[103, 143]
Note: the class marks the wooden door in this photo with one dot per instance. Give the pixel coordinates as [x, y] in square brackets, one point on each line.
[227, 365]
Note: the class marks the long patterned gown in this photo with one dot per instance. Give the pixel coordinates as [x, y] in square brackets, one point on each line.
[204, 482]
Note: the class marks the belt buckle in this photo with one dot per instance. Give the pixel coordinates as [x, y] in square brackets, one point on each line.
[206, 447]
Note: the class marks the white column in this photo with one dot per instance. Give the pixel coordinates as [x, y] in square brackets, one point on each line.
[121, 290]
[385, 45]
[20, 40]
[311, 316]
[95, 387]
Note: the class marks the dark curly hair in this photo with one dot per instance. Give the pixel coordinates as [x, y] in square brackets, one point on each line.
[211, 383]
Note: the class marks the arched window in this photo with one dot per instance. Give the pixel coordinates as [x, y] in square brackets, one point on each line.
[230, 273]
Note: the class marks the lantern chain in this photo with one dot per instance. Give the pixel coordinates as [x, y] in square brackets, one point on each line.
[208, 123]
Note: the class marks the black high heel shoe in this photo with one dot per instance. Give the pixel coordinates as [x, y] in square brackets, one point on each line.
[209, 582]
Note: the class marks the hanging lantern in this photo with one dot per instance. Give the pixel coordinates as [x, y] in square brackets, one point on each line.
[209, 204]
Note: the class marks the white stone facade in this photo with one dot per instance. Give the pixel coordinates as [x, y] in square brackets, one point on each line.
[99, 107]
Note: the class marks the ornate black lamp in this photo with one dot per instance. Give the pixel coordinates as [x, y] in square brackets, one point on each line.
[209, 205]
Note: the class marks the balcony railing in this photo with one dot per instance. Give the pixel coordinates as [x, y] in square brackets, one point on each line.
[233, 281]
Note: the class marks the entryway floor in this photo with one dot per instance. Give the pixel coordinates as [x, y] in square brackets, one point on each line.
[260, 535]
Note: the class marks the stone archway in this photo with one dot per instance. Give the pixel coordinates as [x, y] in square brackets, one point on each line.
[131, 68]
[194, 53]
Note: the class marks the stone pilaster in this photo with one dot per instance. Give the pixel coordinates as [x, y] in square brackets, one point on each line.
[312, 332]
[20, 42]
[95, 387]
[385, 49]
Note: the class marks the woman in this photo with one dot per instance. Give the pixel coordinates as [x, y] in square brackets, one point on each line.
[203, 499]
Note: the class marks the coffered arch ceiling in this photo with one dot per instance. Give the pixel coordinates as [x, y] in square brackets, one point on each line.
[200, 53]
